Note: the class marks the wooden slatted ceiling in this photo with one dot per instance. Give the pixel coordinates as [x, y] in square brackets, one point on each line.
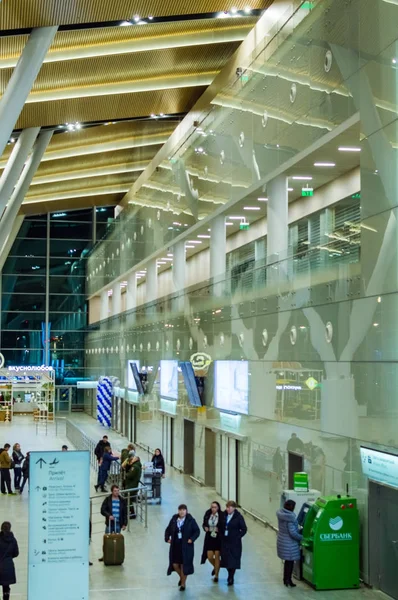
[39, 13]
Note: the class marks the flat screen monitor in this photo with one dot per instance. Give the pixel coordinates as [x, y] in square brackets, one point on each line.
[190, 383]
[169, 379]
[131, 379]
[231, 386]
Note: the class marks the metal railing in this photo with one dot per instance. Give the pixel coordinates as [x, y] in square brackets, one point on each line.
[81, 441]
[136, 498]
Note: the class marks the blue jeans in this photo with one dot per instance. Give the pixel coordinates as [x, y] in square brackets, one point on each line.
[102, 477]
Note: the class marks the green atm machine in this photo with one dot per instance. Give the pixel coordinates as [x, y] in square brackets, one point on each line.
[331, 544]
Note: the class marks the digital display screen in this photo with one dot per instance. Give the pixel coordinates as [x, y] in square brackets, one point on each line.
[380, 466]
[169, 379]
[131, 384]
[232, 386]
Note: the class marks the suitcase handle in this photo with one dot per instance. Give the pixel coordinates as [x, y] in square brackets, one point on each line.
[114, 521]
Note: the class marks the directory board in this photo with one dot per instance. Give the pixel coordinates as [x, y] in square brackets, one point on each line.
[59, 516]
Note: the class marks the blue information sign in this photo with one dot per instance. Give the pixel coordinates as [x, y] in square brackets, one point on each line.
[59, 513]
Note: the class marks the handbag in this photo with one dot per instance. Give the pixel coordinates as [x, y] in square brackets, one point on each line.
[12, 465]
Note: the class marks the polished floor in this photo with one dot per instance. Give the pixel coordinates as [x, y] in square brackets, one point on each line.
[143, 575]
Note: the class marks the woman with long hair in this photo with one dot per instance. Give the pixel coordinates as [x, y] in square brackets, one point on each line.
[213, 525]
[8, 551]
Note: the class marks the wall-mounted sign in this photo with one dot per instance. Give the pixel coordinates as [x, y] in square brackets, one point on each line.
[59, 513]
[30, 368]
[201, 363]
[380, 466]
[307, 191]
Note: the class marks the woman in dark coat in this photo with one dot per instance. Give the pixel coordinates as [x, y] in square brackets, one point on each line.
[288, 540]
[8, 551]
[213, 524]
[181, 533]
[158, 461]
[231, 547]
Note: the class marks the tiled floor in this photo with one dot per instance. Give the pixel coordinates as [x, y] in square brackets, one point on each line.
[143, 576]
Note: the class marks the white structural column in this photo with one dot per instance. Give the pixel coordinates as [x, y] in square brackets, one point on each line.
[10, 240]
[218, 249]
[116, 299]
[179, 266]
[131, 291]
[277, 224]
[15, 164]
[11, 212]
[22, 79]
[152, 281]
[104, 305]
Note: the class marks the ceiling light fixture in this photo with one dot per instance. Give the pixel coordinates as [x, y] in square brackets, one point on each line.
[236, 218]
[349, 149]
[125, 23]
[324, 164]
[394, 61]
[247, 10]
[251, 208]
[302, 178]
[194, 242]
[290, 189]
[170, 254]
[262, 199]
[187, 246]
[137, 18]
[228, 224]
[234, 11]
[204, 236]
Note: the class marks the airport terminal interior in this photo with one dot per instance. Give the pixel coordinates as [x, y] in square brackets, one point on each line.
[199, 254]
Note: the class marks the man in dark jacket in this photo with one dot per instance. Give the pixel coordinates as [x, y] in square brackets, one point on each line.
[114, 509]
[106, 462]
[295, 444]
[100, 447]
[5, 466]
[231, 546]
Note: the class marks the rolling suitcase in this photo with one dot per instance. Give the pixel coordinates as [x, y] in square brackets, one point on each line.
[113, 548]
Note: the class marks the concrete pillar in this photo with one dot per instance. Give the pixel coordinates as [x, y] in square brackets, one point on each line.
[22, 79]
[179, 266]
[277, 227]
[116, 299]
[218, 247]
[131, 291]
[15, 164]
[104, 307]
[11, 212]
[260, 255]
[152, 281]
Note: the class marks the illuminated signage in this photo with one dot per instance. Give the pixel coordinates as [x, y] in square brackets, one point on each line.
[28, 368]
[290, 388]
[380, 466]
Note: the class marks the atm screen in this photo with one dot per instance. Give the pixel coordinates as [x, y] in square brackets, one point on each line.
[303, 513]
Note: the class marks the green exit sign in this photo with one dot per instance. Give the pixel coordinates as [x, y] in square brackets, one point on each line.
[307, 192]
[244, 226]
[356, 196]
[308, 5]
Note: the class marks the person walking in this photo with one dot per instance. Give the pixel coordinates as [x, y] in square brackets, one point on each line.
[158, 461]
[105, 465]
[181, 533]
[100, 447]
[214, 526]
[18, 459]
[114, 509]
[231, 547]
[25, 471]
[5, 467]
[8, 551]
[133, 470]
[288, 540]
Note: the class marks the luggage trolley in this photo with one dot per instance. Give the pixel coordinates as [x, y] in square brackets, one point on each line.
[153, 482]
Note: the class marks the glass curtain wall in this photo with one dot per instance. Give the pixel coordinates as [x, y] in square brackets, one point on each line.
[43, 301]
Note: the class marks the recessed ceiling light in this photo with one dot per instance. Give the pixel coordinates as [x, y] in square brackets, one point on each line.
[170, 254]
[150, 18]
[187, 246]
[251, 208]
[302, 178]
[168, 259]
[262, 199]
[236, 218]
[248, 10]
[324, 164]
[137, 18]
[394, 61]
[204, 236]
[227, 223]
[194, 242]
[234, 10]
[290, 189]
[125, 23]
[349, 149]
